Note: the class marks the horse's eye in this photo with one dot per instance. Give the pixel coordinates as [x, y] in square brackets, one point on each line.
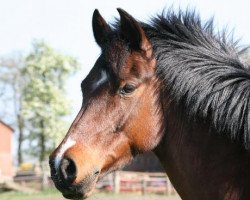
[127, 89]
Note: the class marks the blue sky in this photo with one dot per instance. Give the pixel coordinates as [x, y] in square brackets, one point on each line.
[66, 25]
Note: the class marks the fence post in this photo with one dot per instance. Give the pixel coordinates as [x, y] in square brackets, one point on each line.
[144, 185]
[45, 181]
[169, 187]
[116, 182]
[44, 173]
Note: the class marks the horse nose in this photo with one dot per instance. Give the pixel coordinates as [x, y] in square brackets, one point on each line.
[70, 169]
[67, 170]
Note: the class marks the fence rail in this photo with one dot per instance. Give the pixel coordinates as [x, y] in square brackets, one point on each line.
[122, 181]
[117, 182]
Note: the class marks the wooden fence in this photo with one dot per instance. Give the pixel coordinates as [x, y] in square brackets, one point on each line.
[141, 182]
[119, 181]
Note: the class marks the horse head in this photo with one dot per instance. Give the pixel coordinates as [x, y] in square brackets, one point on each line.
[121, 113]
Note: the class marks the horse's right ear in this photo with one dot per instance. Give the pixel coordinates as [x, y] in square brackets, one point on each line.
[100, 28]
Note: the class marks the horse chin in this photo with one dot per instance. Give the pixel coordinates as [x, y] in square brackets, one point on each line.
[81, 190]
[78, 195]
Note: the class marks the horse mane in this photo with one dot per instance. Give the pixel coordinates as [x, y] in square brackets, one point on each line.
[202, 72]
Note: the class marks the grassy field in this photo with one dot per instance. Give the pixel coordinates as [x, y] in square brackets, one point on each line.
[54, 195]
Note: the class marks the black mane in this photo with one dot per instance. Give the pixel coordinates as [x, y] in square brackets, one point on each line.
[202, 71]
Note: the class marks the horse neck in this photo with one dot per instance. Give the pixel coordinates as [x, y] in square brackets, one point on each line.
[201, 164]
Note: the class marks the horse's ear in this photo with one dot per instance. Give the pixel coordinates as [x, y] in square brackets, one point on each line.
[100, 28]
[133, 31]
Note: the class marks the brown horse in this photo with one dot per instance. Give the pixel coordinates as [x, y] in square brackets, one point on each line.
[173, 87]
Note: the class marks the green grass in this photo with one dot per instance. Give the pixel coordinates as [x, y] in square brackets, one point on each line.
[52, 194]
[48, 194]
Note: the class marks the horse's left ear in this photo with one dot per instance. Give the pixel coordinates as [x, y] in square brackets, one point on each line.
[133, 32]
[100, 28]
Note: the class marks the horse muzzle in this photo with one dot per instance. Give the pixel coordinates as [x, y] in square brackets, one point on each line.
[64, 177]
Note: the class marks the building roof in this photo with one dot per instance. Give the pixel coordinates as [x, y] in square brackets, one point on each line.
[9, 127]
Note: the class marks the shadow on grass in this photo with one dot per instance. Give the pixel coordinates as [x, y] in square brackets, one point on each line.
[52, 194]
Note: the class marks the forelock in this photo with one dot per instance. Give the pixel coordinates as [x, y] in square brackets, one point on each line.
[115, 52]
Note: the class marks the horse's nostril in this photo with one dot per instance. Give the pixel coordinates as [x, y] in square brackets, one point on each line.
[68, 169]
[96, 173]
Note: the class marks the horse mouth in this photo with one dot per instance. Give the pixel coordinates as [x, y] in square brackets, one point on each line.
[77, 191]
[77, 195]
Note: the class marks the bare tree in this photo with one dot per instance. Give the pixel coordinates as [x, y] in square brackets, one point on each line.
[11, 89]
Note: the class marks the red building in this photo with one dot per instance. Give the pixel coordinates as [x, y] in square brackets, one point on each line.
[6, 161]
